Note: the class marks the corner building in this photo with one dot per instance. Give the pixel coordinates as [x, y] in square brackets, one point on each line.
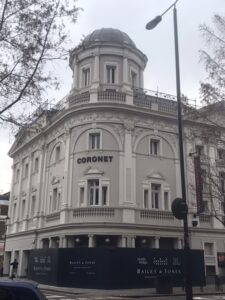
[102, 167]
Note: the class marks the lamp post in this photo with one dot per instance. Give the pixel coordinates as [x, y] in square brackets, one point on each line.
[151, 25]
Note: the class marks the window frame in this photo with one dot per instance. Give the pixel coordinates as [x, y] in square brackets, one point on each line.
[86, 76]
[84, 184]
[94, 132]
[164, 187]
[58, 149]
[159, 146]
[114, 66]
[199, 149]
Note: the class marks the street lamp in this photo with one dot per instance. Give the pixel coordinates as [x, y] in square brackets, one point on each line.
[151, 25]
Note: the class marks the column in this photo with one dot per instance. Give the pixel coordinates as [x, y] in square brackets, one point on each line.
[133, 241]
[125, 71]
[96, 71]
[128, 196]
[63, 242]
[43, 184]
[66, 187]
[75, 76]
[95, 83]
[157, 242]
[123, 241]
[28, 196]
[16, 220]
[50, 242]
[141, 78]
[39, 183]
[41, 244]
[126, 84]
[90, 241]
[179, 243]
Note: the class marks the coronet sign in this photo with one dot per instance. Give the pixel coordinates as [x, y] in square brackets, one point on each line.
[94, 159]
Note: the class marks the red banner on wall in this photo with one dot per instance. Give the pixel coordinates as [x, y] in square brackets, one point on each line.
[198, 184]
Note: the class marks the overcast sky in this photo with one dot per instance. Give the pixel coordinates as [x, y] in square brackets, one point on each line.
[131, 17]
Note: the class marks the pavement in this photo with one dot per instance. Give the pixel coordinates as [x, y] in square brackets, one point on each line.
[131, 293]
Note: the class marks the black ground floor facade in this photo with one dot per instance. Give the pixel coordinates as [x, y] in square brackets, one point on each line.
[109, 268]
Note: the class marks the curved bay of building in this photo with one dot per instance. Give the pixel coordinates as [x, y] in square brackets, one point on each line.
[102, 170]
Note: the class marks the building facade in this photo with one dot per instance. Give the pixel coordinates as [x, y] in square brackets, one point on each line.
[102, 168]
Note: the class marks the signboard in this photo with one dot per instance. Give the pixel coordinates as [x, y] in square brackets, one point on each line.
[43, 264]
[198, 184]
[113, 268]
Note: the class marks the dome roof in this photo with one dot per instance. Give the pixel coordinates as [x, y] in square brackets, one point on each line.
[109, 35]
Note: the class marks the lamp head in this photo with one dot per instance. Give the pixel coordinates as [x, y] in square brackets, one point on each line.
[153, 23]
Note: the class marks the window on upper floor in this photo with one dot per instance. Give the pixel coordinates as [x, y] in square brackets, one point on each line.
[36, 164]
[54, 199]
[166, 200]
[155, 195]
[94, 192]
[17, 176]
[205, 187]
[33, 204]
[209, 248]
[154, 147]
[220, 154]
[57, 153]
[26, 169]
[222, 182]
[86, 77]
[146, 198]
[94, 140]
[133, 79]
[111, 74]
[199, 149]
[23, 210]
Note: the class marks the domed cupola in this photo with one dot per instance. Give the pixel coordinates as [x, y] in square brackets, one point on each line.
[109, 35]
[107, 60]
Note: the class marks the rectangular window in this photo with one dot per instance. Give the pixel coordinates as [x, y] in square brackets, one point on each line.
[146, 199]
[54, 199]
[208, 249]
[222, 182]
[93, 191]
[86, 77]
[104, 195]
[57, 153]
[94, 140]
[205, 206]
[133, 79]
[26, 168]
[36, 164]
[220, 154]
[166, 200]
[111, 74]
[17, 175]
[23, 208]
[33, 203]
[154, 147]
[199, 149]
[155, 195]
[81, 195]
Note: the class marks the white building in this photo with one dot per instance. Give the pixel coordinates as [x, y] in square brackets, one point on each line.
[104, 169]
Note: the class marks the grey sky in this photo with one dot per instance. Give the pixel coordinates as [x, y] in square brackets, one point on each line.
[131, 17]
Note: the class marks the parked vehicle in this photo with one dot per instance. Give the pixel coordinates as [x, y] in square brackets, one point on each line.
[20, 290]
